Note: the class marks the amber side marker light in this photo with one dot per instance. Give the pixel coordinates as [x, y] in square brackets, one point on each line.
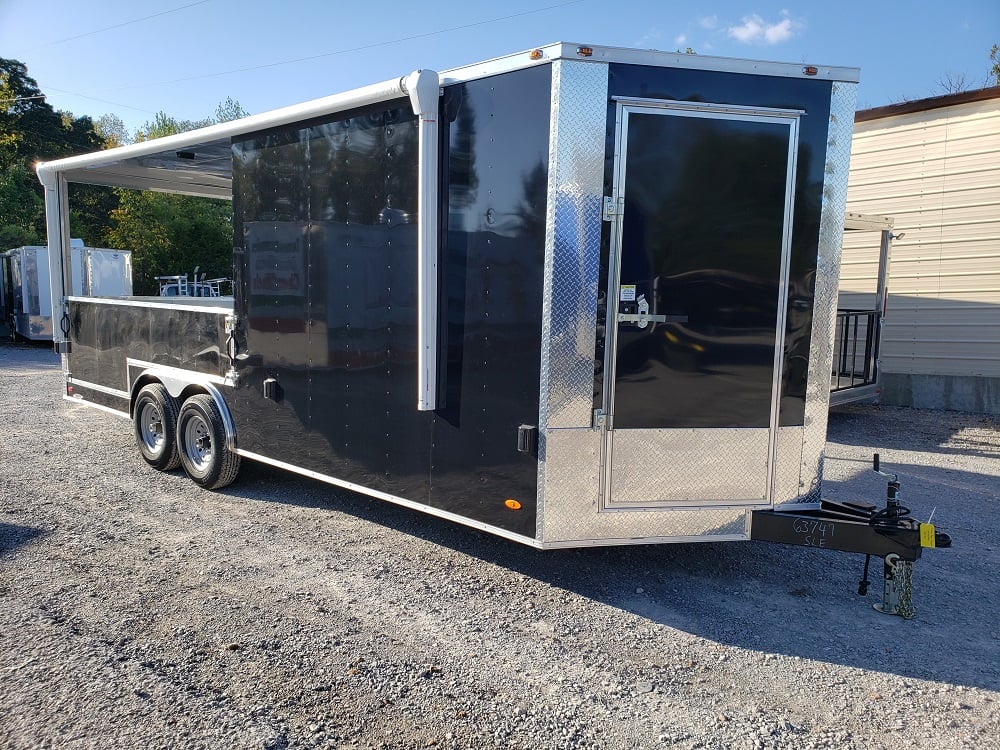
[535, 54]
[810, 70]
[512, 503]
[585, 51]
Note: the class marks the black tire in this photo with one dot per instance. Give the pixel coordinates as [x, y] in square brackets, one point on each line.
[154, 424]
[201, 444]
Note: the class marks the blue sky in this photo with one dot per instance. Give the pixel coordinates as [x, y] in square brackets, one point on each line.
[136, 57]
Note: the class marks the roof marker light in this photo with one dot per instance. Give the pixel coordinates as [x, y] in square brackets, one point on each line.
[585, 51]
[810, 70]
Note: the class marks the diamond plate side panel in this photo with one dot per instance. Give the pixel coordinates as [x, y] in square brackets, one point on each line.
[650, 467]
[573, 241]
[831, 234]
[572, 502]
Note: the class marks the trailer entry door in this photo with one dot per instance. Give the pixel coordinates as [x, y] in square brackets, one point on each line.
[701, 227]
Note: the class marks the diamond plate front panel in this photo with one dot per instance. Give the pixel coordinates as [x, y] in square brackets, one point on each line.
[831, 234]
[572, 503]
[693, 467]
[787, 464]
[573, 241]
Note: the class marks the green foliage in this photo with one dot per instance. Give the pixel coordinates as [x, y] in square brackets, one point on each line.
[112, 130]
[171, 234]
[230, 110]
[994, 74]
[163, 125]
[12, 236]
[31, 131]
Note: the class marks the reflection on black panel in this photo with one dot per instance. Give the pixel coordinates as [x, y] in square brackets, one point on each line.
[813, 97]
[701, 244]
[327, 220]
[105, 336]
[327, 217]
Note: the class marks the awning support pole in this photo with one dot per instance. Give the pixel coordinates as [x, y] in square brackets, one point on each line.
[57, 229]
[423, 88]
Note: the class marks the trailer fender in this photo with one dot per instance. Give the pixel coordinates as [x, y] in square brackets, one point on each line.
[182, 388]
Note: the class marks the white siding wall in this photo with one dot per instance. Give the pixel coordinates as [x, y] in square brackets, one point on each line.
[937, 172]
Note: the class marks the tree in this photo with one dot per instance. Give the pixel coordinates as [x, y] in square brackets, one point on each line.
[32, 131]
[953, 83]
[111, 128]
[994, 74]
[230, 110]
[162, 124]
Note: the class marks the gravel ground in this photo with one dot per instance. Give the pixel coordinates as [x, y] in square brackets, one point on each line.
[139, 611]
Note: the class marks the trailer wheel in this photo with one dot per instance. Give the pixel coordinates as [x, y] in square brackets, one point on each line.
[201, 443]
[155, 423]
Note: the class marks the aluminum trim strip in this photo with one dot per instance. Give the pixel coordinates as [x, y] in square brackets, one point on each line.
[92, 405]
[179, 373]
[215, 309]
[391, 498]
[618, 542]
[99, 388]
[734, 109]
[782, 322]
[831, 235]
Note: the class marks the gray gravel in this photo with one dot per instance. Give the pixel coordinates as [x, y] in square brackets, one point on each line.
[139, 611]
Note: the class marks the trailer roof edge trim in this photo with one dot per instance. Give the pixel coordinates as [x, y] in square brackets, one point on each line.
[197, 161]
[651, 57]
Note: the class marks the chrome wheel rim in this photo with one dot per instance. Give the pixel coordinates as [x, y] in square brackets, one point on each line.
[198, 442]
[151, 427]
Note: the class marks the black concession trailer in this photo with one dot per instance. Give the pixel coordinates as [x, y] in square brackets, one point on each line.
[572, 296]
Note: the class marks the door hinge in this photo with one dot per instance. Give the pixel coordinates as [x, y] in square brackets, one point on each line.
[600, 419]
[613, 207]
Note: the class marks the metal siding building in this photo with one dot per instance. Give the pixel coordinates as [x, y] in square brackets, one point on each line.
[933, 165]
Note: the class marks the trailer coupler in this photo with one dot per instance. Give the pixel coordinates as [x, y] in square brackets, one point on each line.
[890, 533]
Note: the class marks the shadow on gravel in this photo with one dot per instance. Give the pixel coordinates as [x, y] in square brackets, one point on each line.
[764, 597]
[893, 427]
[13, 536]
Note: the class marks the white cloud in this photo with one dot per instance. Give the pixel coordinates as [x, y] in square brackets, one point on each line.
[680, 40]
[778, 32]
[709, 22]
[755, 30]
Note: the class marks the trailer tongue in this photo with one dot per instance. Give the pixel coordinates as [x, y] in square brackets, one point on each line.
[890, 533]
[573, 296]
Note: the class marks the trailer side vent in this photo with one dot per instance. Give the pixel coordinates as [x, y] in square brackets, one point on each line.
[527, 439]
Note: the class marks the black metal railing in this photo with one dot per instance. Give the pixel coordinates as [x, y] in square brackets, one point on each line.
[855, 349]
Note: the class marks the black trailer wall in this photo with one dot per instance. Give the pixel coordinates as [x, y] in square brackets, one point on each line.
[107, 333]
[325, 224]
